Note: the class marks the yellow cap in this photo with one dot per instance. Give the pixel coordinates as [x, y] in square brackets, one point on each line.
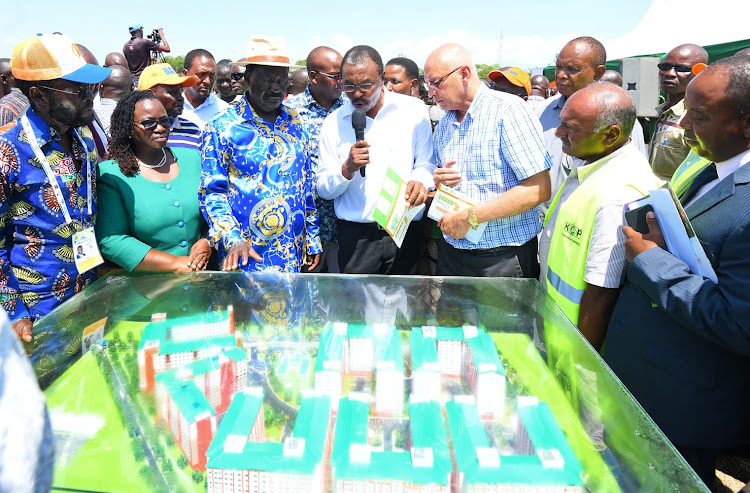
[515, 76]
[163, 73]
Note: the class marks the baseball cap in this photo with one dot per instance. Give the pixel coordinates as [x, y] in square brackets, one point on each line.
[515, 76]
[134, 27]
[54, 56]
[163, 73]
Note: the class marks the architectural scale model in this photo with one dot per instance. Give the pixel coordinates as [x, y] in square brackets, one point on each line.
[465, 352]
[356, 466]
[362, 350]
[541, 462]
[189, 399]
[167, 344]
[241, 461]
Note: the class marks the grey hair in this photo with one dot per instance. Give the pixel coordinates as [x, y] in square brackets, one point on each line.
[613, 111]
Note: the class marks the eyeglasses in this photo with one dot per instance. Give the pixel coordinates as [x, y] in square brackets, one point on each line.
[666, 67]
[349, 88]
[436, 83]
[80, 94]
[238, 76]
[150, 124]
[333, 77]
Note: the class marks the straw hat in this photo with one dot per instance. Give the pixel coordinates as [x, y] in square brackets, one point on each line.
[267, 50]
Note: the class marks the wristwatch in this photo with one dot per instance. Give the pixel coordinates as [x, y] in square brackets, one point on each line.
[471, 217]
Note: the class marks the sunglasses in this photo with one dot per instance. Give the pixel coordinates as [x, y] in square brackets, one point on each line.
[350, 88]
[150, 124]
[80, 93]
[666, 67]
[238, 76]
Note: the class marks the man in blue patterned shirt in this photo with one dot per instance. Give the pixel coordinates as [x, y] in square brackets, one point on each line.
[321, 98]
[256, 186]
[488, 146]
[38, 217]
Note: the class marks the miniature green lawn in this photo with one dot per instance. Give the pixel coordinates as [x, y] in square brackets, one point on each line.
[105, 462]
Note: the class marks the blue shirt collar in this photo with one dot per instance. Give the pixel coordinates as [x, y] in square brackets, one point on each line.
[44, 133]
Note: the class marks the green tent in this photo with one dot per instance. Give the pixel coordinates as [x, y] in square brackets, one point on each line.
[715, 52]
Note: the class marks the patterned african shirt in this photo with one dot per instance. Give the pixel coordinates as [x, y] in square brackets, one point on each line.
[37, 268]
[312, 115]
[256, 186]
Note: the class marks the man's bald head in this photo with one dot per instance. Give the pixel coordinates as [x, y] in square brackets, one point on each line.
[596, 121]
[451, 55]
[613, 77]
[319, 57]
[7, 81]
[452, 78]
[87, 55]
[115, 58]
[579, 63]
[539, 86]
[746, 51]
[696, 53]
[118, 84]
[300, 80]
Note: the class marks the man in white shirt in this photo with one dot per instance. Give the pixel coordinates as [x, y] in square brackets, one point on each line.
[398, 135]
[201, 105]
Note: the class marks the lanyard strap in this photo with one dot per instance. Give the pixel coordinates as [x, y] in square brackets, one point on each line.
[34, 143]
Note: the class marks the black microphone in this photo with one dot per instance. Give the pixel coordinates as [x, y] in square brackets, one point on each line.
[359, 122]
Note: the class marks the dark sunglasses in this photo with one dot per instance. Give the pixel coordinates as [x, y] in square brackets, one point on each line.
[666, 67]
[80, 93]
[238, 76]
[150, 124]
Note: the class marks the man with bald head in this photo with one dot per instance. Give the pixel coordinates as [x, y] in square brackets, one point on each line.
[12, 100]
[300, 79]
[320, 98]
[612, 76]
[679, 341]
[488, 146]
[115, 58]
[579, 63]
[112, 89]
[581, 249]
[668, 148]
[539, 93]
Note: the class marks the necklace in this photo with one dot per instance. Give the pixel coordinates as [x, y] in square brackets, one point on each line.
[154, 166]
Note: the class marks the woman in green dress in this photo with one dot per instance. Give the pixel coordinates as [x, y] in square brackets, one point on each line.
[148, 216]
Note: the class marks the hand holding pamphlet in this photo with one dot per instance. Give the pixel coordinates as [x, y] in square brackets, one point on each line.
[448, 199]
[392, 211]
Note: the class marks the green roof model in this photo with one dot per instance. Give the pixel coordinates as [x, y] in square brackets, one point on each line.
[162, 331]
[551, 463]
[230, 448]
[428, 462]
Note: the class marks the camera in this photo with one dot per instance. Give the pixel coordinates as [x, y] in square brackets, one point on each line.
[154, 36]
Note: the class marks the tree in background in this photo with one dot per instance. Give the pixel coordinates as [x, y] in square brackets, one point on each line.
[177, 62]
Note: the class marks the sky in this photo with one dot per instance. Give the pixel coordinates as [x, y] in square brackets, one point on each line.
[498, 32]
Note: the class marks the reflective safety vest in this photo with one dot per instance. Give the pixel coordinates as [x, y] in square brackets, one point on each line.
[686, 173]
[569, 245]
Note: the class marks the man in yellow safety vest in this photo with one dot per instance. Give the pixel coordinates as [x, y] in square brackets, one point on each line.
[581, 249]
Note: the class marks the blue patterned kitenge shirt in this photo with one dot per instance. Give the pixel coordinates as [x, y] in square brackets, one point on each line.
[312, 115]
[38, 270]
[256, 186]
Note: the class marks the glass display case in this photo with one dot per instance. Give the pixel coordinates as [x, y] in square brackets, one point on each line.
[230, 382]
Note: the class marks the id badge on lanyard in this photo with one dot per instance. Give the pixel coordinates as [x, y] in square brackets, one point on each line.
[85, 249]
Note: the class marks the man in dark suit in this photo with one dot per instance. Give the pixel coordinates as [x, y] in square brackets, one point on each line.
[679, 342]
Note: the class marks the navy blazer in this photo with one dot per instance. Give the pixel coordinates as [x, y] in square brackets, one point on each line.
[679, 342]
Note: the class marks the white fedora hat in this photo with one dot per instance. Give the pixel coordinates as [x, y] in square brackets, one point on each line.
[267, 50]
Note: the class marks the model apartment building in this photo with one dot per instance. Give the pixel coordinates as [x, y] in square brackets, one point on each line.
[241, 461]
[168, 344]
[189, 399]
